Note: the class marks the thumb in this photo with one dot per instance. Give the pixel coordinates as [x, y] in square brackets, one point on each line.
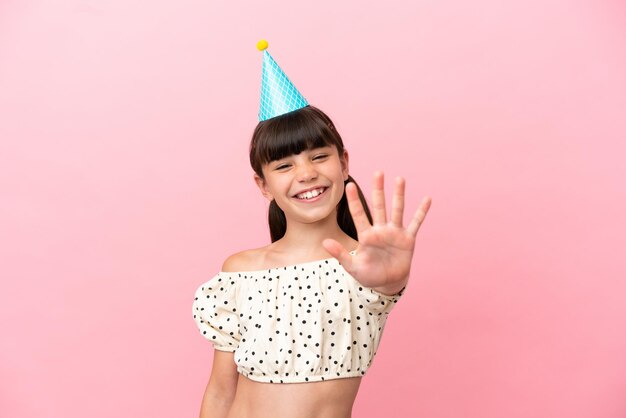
[339, 252]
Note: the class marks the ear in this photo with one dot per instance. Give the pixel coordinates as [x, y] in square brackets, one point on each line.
[262, 185]
[344, 164]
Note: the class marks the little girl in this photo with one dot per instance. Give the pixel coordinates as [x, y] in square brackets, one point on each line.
[296, 324]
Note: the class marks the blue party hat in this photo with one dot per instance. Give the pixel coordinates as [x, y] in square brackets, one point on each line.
[278, 94]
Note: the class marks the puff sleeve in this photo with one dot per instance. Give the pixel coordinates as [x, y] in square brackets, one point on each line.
[374, 302]
[215, 312]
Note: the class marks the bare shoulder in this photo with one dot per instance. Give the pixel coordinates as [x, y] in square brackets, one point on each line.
[244, 260]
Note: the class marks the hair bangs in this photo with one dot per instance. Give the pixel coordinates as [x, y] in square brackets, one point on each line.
[291, 135]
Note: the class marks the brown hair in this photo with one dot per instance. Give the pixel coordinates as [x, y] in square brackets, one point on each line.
[292, 133]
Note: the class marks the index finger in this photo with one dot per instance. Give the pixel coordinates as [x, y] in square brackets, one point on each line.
[359, 217]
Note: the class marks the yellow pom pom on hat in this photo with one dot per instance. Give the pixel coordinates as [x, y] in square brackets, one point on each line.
[278, 94]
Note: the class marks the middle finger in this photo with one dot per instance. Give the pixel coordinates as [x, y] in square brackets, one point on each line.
[379, 214]
[397, 203]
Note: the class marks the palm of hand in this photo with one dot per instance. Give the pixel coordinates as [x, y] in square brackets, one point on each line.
[386, 248]
[384, 255]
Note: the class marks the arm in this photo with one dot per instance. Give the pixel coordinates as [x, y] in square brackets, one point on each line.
[220, 391]
[392, 289]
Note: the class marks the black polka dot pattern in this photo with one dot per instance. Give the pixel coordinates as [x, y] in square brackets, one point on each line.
[301, 323]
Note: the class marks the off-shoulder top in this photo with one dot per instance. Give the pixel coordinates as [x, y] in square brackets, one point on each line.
[306, 322]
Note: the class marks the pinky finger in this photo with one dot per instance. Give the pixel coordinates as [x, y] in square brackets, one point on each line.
[419, 216]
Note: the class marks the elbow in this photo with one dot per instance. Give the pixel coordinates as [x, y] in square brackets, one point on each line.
[216, 402]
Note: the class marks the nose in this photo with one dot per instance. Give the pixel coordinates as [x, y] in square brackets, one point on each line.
[306, 172]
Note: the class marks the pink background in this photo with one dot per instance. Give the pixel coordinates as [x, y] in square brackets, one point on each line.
[125, 183]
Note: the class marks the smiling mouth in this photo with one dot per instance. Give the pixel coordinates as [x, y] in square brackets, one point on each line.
[311, 194]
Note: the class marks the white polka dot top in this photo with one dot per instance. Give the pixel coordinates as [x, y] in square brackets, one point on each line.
[307, 322]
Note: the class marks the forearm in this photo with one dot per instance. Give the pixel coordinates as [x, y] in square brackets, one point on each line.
[392, 289]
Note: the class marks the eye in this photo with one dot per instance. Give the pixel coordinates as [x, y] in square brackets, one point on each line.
[280, 167]
[317, 157]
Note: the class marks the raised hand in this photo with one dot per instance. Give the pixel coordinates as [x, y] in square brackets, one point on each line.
[383, 257]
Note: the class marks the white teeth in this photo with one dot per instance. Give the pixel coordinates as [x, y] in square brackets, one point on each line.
[310, 194]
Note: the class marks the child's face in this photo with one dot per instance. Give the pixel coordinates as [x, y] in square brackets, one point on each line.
[320, 169]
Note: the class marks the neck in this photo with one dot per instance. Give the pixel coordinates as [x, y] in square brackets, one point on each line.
[306, 239]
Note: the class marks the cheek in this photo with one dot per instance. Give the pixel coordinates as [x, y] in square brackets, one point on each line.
[341, 176]
[280, 187]
[339, 191]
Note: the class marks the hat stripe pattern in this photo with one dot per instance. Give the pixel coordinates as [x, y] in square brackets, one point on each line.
[278, 94]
